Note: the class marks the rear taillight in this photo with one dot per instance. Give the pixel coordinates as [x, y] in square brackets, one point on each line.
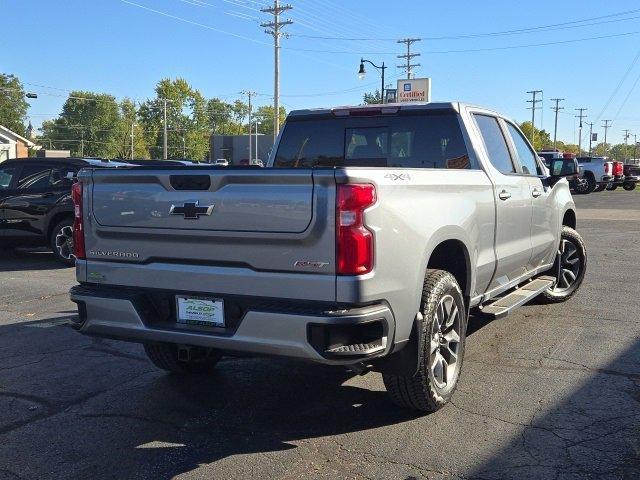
[354, 242]
[78, 226]
[618, 168]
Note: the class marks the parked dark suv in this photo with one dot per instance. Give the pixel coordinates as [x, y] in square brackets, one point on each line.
[35, 202]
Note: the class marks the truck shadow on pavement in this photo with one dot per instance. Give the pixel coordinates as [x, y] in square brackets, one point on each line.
[17, 260]
[77, 407]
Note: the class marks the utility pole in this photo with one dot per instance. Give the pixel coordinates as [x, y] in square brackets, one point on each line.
[164, 141]
[607, 124]
[590, 136]
[184, 148]
[409, 56]
[581, 116]
[249, 95]
[556, 109]
[635, 146]
[533, 103]
[82, 142]
[627, 134]
[273, 28]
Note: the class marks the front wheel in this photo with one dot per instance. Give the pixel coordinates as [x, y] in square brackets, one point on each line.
[629, 186]
[61, 242]
[443, 335]
[569, 268]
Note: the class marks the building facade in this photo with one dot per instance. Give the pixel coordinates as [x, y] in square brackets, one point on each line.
[235, 148]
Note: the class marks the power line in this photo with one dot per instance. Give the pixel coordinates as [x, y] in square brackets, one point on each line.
[408, 66]
[535, 29]
[473, 50]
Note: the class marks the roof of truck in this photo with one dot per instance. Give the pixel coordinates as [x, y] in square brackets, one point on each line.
[390, 107]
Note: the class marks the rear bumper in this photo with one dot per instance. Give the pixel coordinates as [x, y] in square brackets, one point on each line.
[631, 178]
[261, 327]
[606, 179]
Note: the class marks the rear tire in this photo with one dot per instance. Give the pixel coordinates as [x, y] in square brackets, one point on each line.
[629, 186]
[61, 242]
[443, 335]
[611, 187]
[588, 184]
[165, 357]
[572, 254]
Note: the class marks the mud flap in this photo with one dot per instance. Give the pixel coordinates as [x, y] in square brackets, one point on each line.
[406, 360]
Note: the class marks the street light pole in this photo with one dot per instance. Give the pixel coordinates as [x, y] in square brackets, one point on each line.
[362, 72]
[132, 124]
[590, 136]
[164, 142]
[257, 122]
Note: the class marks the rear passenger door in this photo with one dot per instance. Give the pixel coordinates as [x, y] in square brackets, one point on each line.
[544, 221]
[513, 203]
[34, 195]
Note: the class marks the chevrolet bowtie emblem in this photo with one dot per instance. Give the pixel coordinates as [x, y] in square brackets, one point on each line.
[191, 210]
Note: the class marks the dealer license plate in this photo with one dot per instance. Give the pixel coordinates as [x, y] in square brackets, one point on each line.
[200, 311]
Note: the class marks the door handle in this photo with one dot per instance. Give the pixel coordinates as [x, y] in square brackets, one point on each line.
[504, 195]
[536, 193]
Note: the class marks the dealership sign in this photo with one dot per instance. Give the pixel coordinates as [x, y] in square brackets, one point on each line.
[414, 90]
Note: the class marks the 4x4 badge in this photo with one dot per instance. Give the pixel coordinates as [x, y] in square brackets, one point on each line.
[191, 210]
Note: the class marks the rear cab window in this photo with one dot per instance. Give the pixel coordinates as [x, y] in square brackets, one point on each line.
[429, 139]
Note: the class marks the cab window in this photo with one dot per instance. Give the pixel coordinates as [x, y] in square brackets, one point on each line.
[526, 156]
[33, 177]
[495, 143]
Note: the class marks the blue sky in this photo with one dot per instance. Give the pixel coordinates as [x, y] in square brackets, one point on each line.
[119, 47]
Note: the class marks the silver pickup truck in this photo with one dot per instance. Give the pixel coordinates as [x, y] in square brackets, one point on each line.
[366, 242]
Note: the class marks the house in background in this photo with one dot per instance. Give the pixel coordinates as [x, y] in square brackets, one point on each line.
[13, 145]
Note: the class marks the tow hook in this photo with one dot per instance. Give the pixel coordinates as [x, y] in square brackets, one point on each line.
[359, 369]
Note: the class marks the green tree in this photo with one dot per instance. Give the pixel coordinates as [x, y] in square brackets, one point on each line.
[129, 120]
[13, 106]
[265, 116]
[542, 137]
[372, 97]
[87, 125]
[220, 116]
[188, 120]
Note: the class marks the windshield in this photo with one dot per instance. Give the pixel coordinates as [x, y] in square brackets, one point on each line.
[428, 140]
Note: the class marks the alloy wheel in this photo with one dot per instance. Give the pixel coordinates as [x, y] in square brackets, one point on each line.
[570, 266]
[64, 243]
[445, 342]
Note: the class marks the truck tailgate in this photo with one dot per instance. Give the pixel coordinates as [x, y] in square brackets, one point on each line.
[234, 201]
[255, 220]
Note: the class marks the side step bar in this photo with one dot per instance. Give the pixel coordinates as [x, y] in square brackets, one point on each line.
[522, 295]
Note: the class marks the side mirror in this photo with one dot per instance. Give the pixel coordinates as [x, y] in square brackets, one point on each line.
[563, 167]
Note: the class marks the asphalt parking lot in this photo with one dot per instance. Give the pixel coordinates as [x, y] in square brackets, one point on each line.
[548, 392]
